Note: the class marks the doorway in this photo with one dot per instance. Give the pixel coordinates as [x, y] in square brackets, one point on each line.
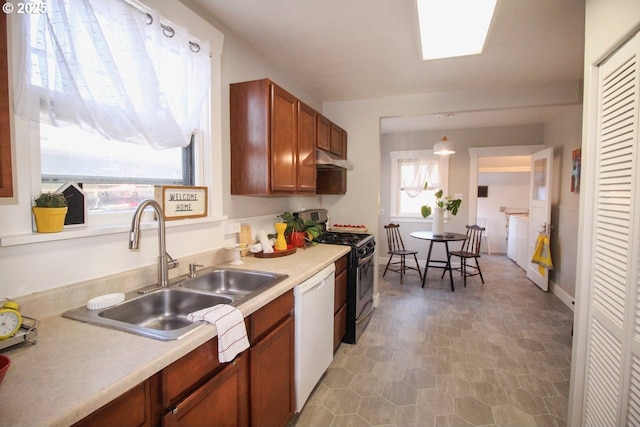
[503, 188]
[483, 210]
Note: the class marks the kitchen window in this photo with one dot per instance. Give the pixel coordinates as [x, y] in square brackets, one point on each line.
[115, 176]
[409, 172]
[120, 94]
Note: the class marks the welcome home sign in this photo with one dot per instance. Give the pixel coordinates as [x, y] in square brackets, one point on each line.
[180, 202]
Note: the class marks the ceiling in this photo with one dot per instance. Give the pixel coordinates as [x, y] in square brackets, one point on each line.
[359, 49]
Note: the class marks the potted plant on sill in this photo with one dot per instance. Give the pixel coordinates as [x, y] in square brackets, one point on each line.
[49, 212]
[299, 232]
[442, 203]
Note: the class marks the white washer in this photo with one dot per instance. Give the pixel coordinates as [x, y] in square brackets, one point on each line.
[314, 331]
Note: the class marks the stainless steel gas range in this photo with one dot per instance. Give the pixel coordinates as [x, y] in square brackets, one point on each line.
[360, 273]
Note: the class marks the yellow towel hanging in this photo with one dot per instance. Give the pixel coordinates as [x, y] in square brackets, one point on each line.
[542, 254]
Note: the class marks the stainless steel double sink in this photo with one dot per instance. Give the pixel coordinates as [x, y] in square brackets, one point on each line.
[162, 313]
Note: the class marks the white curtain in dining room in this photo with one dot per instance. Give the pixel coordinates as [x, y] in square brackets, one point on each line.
[410, 170]
[414, 173]
[112, 68]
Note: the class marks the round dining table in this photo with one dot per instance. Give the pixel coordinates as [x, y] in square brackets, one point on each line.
[436, 263]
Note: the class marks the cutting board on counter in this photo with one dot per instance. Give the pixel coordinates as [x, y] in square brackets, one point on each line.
[276, 254]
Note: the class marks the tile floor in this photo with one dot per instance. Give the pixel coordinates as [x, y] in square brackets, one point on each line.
[496, 354]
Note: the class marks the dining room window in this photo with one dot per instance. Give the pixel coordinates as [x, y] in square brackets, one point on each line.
[410, 170]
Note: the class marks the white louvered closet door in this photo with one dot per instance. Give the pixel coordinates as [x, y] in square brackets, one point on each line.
[612, 382]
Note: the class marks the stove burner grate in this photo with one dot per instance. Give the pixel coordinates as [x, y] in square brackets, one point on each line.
[339, 238]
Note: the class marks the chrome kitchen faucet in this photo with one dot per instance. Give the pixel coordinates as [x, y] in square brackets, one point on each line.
[165, 262]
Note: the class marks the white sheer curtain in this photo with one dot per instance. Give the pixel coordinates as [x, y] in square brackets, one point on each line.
[415, 172]
[107, 66]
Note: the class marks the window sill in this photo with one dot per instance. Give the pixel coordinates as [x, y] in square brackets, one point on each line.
[410, 219]
[88, 231]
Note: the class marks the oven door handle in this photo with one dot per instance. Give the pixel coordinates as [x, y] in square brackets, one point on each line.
[366, 259]
[363, 316]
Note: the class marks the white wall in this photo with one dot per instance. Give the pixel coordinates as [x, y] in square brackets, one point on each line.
[241, 62]
[564, 135]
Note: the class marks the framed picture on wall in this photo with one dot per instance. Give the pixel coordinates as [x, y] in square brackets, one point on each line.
[576, 156]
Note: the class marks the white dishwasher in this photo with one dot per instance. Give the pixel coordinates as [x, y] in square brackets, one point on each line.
[314, 331]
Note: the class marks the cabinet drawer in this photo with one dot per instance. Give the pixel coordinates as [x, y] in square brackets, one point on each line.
[340, 295]
[222, 400]
[270, 315]
[187, 371]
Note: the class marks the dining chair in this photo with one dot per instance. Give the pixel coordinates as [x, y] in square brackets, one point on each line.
[470, 250]
[396, 247]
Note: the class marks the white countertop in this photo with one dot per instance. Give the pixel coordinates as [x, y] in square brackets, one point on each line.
[76, 368]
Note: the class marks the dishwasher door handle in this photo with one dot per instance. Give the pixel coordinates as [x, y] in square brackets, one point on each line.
[314, 286]
[318, 279]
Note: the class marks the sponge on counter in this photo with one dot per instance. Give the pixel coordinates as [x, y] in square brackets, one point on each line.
[104, 301]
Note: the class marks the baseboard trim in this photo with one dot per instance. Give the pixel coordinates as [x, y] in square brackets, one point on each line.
[562, 295]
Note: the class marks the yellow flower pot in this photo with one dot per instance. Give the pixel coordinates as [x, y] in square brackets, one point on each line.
[49, 220]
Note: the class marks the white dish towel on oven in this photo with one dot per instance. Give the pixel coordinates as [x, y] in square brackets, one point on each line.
[232, 333]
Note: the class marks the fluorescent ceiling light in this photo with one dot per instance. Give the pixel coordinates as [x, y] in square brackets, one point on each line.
[453, 27]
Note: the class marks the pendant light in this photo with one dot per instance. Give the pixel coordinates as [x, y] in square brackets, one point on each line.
[444, 147]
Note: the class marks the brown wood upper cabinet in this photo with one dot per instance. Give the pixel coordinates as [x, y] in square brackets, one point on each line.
[273, 139]
[323, 128]
[338, 141]
[331, 137]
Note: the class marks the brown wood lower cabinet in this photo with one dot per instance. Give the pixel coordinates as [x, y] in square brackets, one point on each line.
[256, 389]
[220, 402]
[272, 383]
[272, 396]
[138, 407]
[340, 303]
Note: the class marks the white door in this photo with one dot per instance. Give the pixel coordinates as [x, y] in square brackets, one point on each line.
[606, 380]
[539, 211]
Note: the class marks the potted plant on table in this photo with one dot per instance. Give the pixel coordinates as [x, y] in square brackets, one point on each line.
[442, 203]
[298, 231]
[49, 212]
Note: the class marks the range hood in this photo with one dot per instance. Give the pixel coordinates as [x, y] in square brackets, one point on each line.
[326, 160]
